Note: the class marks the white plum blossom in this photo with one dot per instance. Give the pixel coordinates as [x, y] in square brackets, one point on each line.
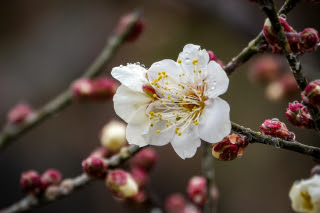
[174, 101]
[305, 195]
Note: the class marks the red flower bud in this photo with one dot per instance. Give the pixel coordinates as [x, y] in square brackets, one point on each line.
[136, 30]
[175, 203]
[97, 89]
[276, 128]
[231, 147]
[121, 184]
[298, 115]
[30, 182]
[309, 39]
[50, 177]
[139, 175]
[197, 190]
[19, 114]
[311, 94]
[270, 34]
[145, 159]
[94, 167]
[212, 56]
[294, 42]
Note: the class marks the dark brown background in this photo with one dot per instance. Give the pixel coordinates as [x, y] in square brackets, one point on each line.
[44, 45]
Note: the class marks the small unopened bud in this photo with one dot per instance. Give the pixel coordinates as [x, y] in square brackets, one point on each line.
[66, 186]
[315, 170]
[197, 190]
[30, 182]
[276, 128]
[94, 167]
[311, 94]
[212, 56]
[145, 159]
[121, 184]
[52, 192]
[294, 42]
[231, 147]
[19, 113]
[97, 89]
[265, 68]
[269, 32]
[175, 203]
[309, 39]
[139, 175]
[50, 177]
[283, 87]
[298, 115]
[113, 136]
[136, 30]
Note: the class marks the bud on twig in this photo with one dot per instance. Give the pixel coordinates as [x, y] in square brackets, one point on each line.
[30, 182]
[99, 89]
[19, 113]
[175, 203]
[145, 159]
[231, 147]
[137, 28]
[197, 190]
[298, 115]
[50, 177]
[140, 176]
[94, 167]
[276, 128]
[121, 184]
[311, 94]
[309, 39]
[270, 34]
[113, 136]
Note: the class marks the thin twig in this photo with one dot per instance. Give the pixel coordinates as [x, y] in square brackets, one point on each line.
[30, 202]
[10, 132]
[258, 137]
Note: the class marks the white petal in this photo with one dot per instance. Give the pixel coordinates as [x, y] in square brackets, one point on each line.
[132, 76]
[187, 143]
[217, 80]
[214, 123]
[190, 52]
[127, 102]
[159, 139]
[171, 68]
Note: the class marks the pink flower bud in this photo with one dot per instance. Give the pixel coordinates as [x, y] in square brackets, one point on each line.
[175, 203]
[309, 39]
[212, 56]
[52, 192]
[311, 94]
[135, 32]
[298, 115]
[276, 128]
[191, 209]
[197, 190]
[113, 136]
[94, 167]
[139, 198]
[145, 159]
[294, 42]
[121, 184]
[139, 175]
[30, 182]
[231, 147]
[50, 177]
[67, 186]
[315, 170]
[270, 34]
[265, 68]
[99, 89]
[19, 114]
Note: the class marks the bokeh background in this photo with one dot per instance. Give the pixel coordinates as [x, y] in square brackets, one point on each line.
[45, 45]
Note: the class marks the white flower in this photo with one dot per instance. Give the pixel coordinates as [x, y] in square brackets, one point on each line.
[174, 102]
[305, 195]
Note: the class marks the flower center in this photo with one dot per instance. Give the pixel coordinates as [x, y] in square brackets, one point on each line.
[180, 102]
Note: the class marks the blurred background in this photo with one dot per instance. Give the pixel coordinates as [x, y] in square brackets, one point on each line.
[45, 45]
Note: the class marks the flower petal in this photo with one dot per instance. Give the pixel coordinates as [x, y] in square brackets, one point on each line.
[158, 139]
[127, 102]
[187, 143]
[217, 80]
[214, 122]
[171, 68]
[190, 52]
[132, 76]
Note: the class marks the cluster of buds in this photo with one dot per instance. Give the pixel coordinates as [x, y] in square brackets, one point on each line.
[302, 42]
[212, 57]
[95, 167]
[99, 89]
[276, 128]
[19, 114]
[231, 147]
[136, 30]
[32, 183]
[299, 116]
[311, 94]
[113, 136]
